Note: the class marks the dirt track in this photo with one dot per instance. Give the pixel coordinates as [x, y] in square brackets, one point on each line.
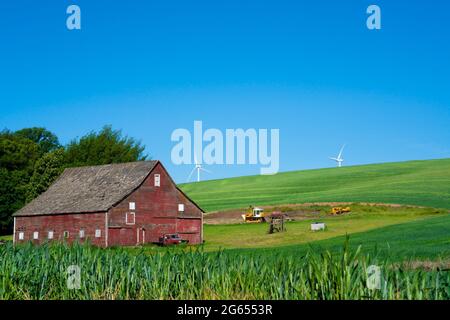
[300, 211]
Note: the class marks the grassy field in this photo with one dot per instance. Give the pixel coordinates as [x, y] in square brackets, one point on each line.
[423, 183]
[420, 240]
[6, 238]
[362, 218]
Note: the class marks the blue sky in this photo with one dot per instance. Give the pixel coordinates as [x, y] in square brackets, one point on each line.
[309, 68]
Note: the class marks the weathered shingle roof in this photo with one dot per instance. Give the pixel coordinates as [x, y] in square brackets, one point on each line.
[89, 189]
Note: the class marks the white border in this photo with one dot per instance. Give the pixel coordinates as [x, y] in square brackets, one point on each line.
[126, 218]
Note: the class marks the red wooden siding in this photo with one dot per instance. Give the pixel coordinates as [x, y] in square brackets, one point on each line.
[121, 237]
[72, 223]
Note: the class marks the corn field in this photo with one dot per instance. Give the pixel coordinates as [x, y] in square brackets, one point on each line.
[30, 272]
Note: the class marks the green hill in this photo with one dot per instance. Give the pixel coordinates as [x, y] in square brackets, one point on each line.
[422, 183]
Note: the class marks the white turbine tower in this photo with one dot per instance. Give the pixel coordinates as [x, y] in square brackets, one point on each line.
[339, 158]
[199, 168]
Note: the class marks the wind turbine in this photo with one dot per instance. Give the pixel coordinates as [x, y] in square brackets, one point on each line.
[339, 158]
[199, 168]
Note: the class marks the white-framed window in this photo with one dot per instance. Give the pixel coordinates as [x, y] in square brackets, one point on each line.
[81, 233]
[66, 234]
[157, 180]
[21, 235]
[181, 207]
[50, 235]
[132, 206]
[35, 235]
[98, 233]
[130, 218]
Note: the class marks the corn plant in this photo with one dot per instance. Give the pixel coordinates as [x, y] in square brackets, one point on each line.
[40, 272]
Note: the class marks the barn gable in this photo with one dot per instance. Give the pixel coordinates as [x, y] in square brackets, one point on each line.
[153, 210]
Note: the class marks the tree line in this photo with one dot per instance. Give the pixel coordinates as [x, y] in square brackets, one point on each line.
[32, 158]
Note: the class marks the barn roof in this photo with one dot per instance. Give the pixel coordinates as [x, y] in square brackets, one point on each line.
[89, 189]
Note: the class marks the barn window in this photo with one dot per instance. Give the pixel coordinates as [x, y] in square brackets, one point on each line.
[50, 235]
[132, 205]
[81, 234]
[157, 180]
[98, 233]
[35, 235]
[181, 207]
[21, 235]
[66, 234]
[130, 218]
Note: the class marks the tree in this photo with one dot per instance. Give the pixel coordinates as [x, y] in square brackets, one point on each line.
[12, 196]
[46, 170]
[17, 157]
[46, 140]
[16, 152]
[105, 147]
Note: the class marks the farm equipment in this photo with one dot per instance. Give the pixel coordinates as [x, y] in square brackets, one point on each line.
[277, 220]
[254, 215]
[335, 211]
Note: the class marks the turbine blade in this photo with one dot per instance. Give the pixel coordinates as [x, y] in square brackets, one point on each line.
[190, 175]
[206, 170]
[340, 152]
[195, 158]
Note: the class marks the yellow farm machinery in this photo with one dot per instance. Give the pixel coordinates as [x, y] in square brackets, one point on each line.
[335, 211]
[254, 215]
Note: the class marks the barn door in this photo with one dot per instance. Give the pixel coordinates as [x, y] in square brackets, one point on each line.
[140, 236]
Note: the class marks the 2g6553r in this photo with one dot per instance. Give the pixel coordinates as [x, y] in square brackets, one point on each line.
[247, 309]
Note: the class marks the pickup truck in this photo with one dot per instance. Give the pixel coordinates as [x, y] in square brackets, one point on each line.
[171, 239]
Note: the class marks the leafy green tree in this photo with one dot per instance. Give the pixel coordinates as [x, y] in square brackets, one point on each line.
[6, 199]
[46, 140]
[46, 170]
[17, 157]
[105, 147]
[16, 152]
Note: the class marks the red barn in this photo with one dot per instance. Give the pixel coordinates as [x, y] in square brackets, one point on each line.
[111, 205]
